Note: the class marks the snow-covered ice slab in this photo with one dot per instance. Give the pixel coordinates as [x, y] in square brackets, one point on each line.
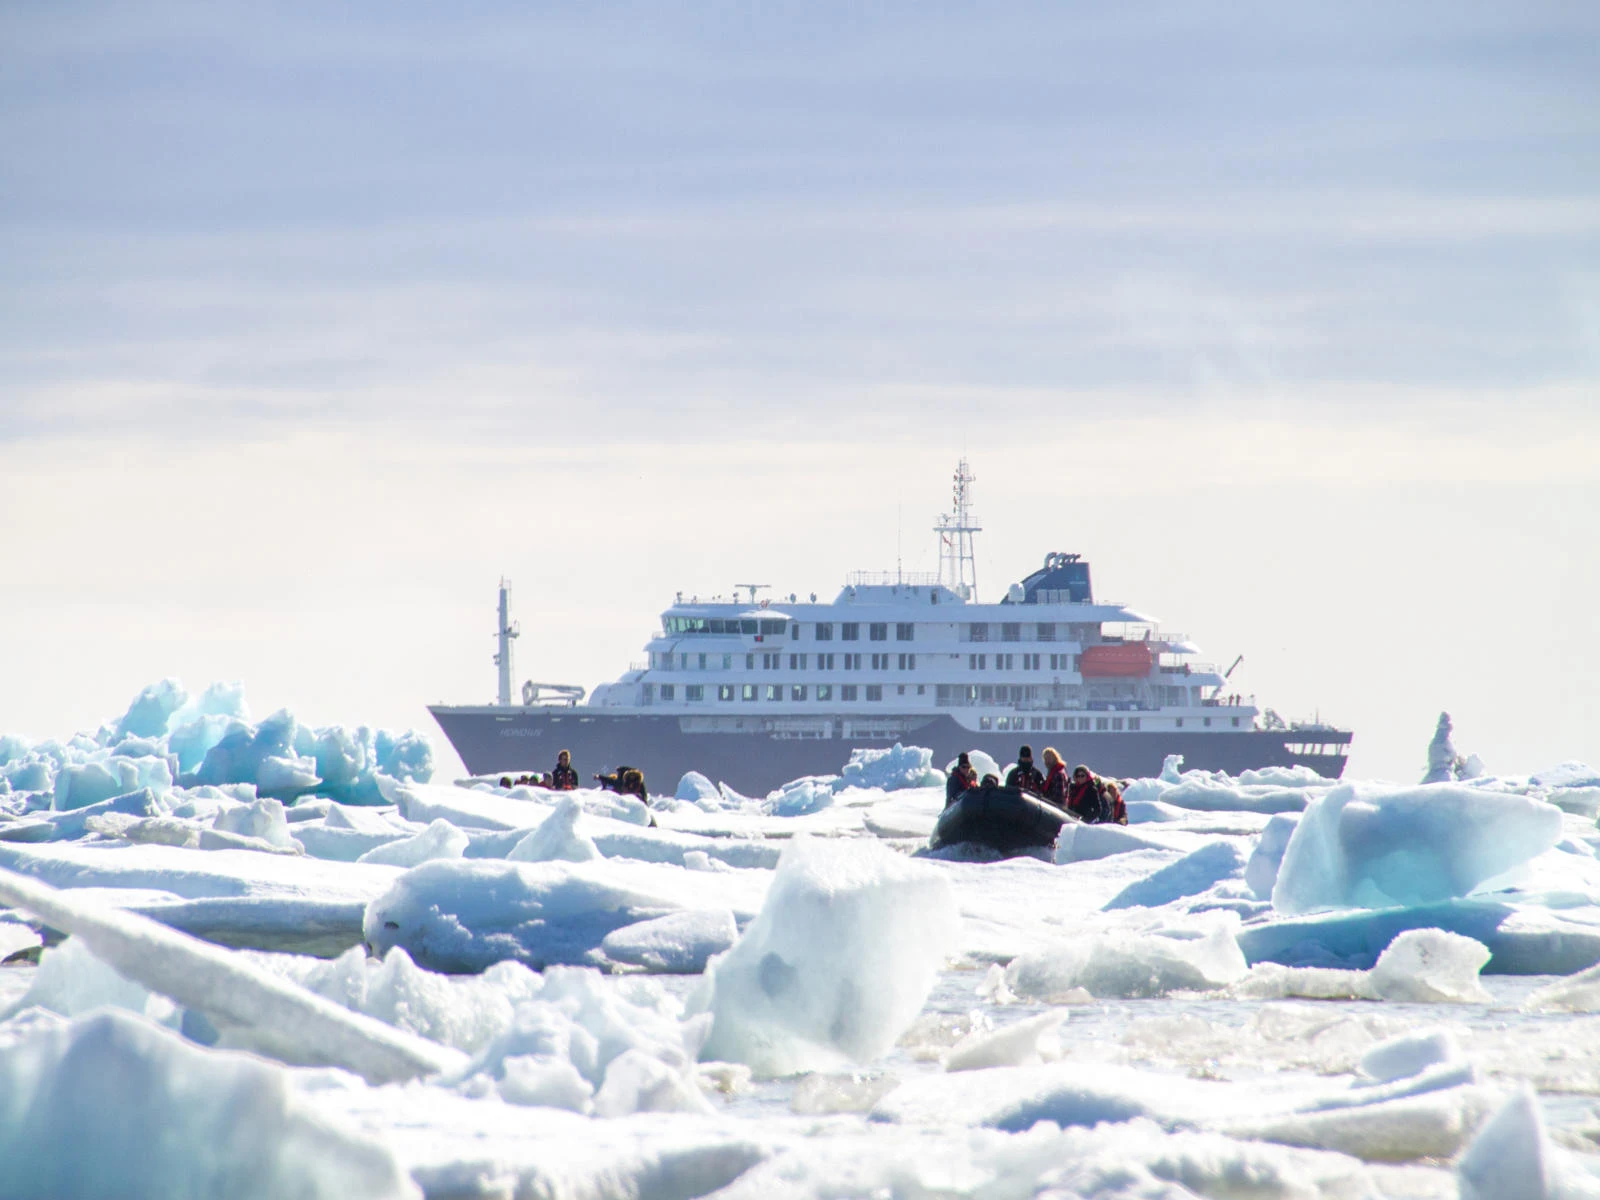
[1129, 964]
[247, 1003]
[195, 875]
[1130, 1161]
[1067, 1093]
[1378, 846]
[464, 914]
[454, 1146]
[111, 1105]
[233, 897]
[1522, 940]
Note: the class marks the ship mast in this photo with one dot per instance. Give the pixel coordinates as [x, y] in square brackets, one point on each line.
[507, 631]
[958, 568]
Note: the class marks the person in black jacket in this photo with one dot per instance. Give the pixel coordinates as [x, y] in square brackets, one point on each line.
[961, 779]
[1025, 775]
[563, 778]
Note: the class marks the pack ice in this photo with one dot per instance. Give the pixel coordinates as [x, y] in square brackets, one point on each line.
[1270, 985]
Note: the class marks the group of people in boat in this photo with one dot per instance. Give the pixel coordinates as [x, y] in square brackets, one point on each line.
[625, 781]
[1087, 796]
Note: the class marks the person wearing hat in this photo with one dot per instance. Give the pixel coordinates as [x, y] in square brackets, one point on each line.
[1025, 775]
[961, 779]
[1094, 799]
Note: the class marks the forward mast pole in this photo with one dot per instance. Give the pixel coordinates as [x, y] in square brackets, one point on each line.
[958, 566]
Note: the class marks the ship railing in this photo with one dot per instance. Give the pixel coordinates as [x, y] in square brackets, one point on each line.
[892, 579]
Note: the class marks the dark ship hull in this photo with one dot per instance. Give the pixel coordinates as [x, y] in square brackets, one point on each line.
[763, 754]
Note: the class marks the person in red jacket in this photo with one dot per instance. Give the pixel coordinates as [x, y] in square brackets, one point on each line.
[1084, 796]
[962, 779]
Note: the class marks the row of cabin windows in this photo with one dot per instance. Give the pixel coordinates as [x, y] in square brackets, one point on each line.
[850, 631]
[764, 626]
[771, 661]
[1049, 724]
[774, 692]
[1028, 662]
[1010, 631]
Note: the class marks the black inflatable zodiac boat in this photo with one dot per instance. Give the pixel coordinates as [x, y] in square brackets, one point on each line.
[1006, 819]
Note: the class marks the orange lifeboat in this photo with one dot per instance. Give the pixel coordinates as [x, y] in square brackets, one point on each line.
[1126, 660]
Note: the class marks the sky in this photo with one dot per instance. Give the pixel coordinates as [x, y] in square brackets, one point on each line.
[316, 321]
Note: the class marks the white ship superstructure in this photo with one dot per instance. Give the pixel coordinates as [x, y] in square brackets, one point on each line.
[908, 658]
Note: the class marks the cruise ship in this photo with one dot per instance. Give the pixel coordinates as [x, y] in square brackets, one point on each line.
[757, 690]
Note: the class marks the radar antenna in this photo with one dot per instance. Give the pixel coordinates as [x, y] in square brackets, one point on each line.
[958, 568]
[753, 588]
[507, 630]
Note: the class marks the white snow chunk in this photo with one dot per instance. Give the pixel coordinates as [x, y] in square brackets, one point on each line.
[1261, 872]
[109, 1105]
[462, 915]
[1085, 843]
[695, 787]
[1435, 1124]
[1512, 1158]
[1578, 993]
[71, 980]
[262, 819]
[840, 959]
[359, 818]
[558, 838]
[440, 840]
[1409, 1054]
[1129, 965]
[677, 944]
[1192, 874]
[1426, 966]
[889, 769]
[1378, 846]
[640, 1082]
[264, 1011]
[1024, 1043]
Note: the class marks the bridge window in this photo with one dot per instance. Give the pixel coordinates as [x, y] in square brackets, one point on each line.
[850, 631]
[1116, 723]
[874, 691]
[825, 631]
[749, 691]
[977, 662]
[797, 691]
[847, 692]
[748, 626]
[768, 628]
[668, 691]
[1050, 724]
[977, 632]
[693, 691]
[1011, 631]
[1133, 724]
[878, 631]
[1046, 631]
[908, 662]
[824, 691]
[905, 631]
[774, 691]
[725, 691]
